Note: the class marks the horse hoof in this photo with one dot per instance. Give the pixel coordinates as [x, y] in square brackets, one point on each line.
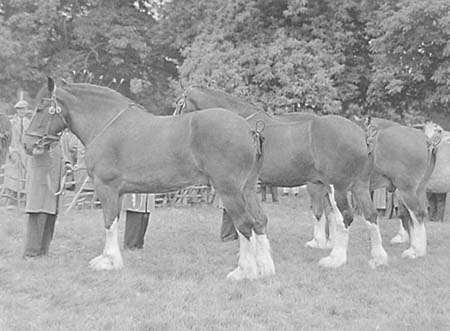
[332, 261]
[399, 239]
[314, 243]
[105, 262]
[266, 269]
[380, 259]
[239, 274]
[412, 253]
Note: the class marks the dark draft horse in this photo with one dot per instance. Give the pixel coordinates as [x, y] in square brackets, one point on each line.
[130, 150]
[403, 159]
[322, 152]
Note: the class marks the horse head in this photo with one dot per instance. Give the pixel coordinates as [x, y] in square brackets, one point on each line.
[47, 123]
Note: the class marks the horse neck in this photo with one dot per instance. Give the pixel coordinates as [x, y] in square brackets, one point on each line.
[89, 113]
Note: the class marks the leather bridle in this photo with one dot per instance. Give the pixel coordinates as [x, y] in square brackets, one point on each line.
[54, 111]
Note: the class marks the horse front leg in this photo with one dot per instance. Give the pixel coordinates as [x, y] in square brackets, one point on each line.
[111, 258]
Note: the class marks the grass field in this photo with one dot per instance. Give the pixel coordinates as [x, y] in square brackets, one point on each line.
[177, 282]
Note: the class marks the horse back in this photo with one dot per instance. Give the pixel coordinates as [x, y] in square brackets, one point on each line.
[401, 154]
[218, 134]
[339, 150]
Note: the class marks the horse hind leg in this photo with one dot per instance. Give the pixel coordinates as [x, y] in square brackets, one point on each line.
[318, 203]
[378, 253]
[264, 261]
[249, 262]
[111, 258]
[338, 255]
[402, 235]
[416, 209]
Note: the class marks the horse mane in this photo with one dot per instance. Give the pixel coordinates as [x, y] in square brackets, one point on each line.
[229, 98]
[93, 89]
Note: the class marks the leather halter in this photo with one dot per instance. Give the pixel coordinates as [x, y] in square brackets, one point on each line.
[47, 138]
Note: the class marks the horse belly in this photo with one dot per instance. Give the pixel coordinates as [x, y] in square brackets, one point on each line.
[287, 159]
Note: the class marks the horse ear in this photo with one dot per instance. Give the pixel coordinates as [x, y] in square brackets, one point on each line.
[51, 85]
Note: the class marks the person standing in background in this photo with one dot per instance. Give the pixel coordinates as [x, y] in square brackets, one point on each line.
[44, 180]
[138, 208]
[17, 161]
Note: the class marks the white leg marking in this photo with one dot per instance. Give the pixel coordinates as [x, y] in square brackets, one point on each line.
[111, 258]
[338, 255]
[264, 260]
[319, 239]
[331, 233]
[379, 255]
[418, 239]
[247, 267]
[401, 237]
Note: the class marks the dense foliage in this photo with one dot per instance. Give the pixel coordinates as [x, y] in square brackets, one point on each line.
[386, 57]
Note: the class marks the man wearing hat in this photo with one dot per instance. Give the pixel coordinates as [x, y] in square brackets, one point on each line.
[17, 162]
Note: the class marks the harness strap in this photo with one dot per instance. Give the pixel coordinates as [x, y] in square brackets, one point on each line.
[370, 134]
[260, 125]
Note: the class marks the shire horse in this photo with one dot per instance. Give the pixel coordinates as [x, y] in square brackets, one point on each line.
[414, 162]
[403, 158]
[129, 150]
[325, 153]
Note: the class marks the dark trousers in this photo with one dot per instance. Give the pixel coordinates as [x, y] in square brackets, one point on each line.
[135, 227]
[436, 203]
[40, 229]
[273, 191]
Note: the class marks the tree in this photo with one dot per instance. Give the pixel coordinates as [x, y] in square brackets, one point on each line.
[110, 40]
[294, 54]
[411, 54]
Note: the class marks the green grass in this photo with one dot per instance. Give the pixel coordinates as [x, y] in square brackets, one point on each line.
[178, 282]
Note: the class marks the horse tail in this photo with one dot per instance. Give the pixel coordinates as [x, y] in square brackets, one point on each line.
[259, 157]
[432, 147]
